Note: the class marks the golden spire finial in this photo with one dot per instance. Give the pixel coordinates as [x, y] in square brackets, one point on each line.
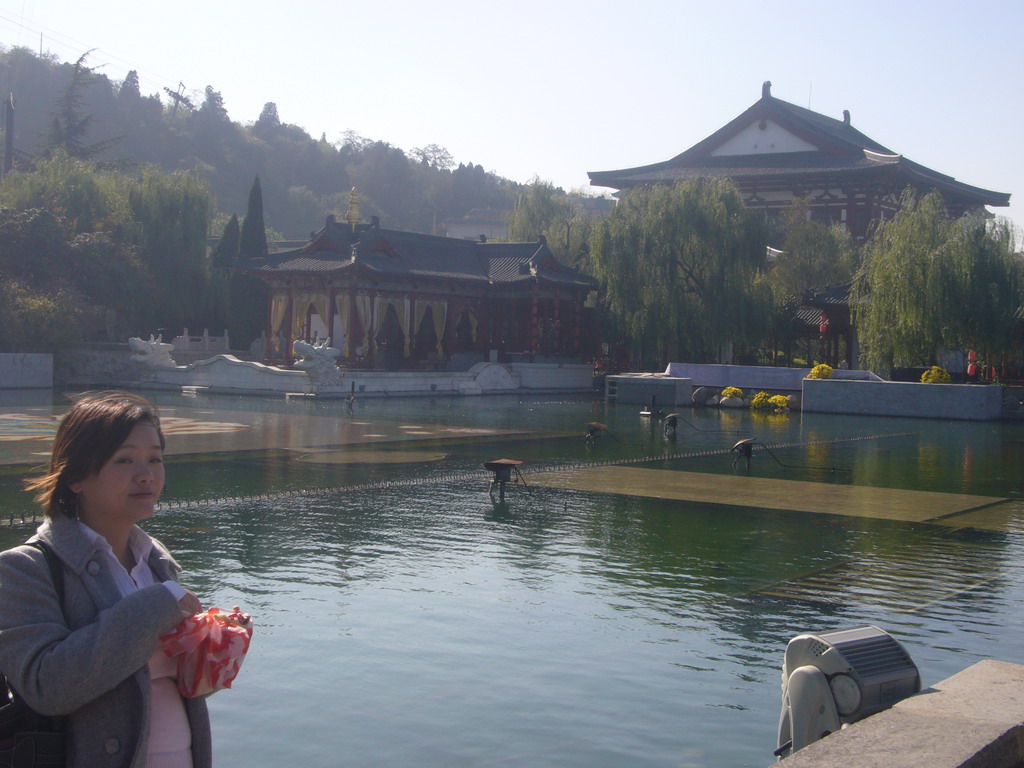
[353, 216]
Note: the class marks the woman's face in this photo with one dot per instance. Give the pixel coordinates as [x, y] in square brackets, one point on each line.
[127, 487]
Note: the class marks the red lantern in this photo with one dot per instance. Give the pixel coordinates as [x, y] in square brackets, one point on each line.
[992, 372]
[972, 370]
[972, 356]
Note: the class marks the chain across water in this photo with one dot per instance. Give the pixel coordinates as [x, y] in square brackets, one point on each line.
[457, 477]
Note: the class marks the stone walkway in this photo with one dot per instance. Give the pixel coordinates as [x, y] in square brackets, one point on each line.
[770, 493]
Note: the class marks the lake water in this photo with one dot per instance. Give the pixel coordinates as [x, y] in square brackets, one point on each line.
[403, 619]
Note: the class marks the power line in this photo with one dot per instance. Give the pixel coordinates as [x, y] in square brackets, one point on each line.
[70, 49]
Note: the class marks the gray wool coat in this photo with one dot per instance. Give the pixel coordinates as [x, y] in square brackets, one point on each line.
[93, 667]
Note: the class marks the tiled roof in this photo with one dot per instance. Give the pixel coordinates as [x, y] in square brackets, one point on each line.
[832, 295]
[395, 253]
[842, 151]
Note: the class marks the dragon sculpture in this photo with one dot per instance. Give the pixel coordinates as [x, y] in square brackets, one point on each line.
[154, 353]
[318, 362]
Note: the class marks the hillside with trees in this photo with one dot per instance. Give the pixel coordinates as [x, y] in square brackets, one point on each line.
[73, 107]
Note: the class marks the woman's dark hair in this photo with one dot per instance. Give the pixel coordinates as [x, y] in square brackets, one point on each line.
[89, 434]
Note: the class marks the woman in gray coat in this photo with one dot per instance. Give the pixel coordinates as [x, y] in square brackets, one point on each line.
[96, 658]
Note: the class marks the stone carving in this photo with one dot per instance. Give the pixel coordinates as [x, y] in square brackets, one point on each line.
[318, 362]
[154, 353]
[700, 396]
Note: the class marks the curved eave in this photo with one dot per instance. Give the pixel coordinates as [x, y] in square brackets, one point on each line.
[950, 186]
[576, 281]
[900, 171]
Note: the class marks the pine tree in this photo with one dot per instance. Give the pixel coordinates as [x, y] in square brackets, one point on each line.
[69, 127]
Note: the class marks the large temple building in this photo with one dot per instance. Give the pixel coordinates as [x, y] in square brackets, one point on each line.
[392, 299]
[776, 151]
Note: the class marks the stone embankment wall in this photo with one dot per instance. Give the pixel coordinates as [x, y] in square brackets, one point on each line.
[26, 371]
[96, 365]
[975, 402]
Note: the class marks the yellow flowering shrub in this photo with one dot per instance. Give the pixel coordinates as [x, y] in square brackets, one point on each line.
[761, 400]
[732, 392]
[779, 401]
[820, 371]
[936, 375]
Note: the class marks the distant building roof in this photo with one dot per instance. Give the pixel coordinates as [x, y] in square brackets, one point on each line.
[774, 140]
[486, 222]
[593, 206]
[367, 249]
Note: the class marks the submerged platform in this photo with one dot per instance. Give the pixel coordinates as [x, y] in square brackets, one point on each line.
[768, 493]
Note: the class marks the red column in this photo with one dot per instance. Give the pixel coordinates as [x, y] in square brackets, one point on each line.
[534, 312]
[557, 314]
[330, 315]
[289, 328]
[370, 344]
[353, 322]
[578, 330]
[268, 351]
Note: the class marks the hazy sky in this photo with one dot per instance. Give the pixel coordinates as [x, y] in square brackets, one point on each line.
[558, 88]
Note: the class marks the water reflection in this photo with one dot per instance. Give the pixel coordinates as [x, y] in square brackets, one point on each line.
[425, 625]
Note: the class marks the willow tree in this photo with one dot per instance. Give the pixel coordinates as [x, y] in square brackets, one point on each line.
[679, 267]
[930, 283]
[159, 219]
[543, 210]
[86, 199]
[173, 213]
[814, 255]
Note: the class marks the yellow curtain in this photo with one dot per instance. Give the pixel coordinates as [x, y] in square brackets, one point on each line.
[401, 311]
[302, 304]
[419, 310]
[404, 321]
[472, 324]
[278, 305]
[342, 307]
[299, 310]
[380, 307]
[366, 321]
[440, 310]
[319, 302]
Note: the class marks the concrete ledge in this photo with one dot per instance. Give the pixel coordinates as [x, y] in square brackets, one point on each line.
[667, 390]
[554, 376]
[754, 377]
[974, 719]
[973, 402]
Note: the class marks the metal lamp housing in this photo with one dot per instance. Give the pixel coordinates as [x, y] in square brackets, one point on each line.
[835, 678]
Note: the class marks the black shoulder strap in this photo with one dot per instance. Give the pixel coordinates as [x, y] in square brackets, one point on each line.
[56, 569]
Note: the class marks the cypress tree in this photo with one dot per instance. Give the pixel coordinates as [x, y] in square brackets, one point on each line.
[227, 248]
[248, 295]
[253, 238]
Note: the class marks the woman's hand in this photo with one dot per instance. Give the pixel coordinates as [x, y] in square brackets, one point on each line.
[190, 604]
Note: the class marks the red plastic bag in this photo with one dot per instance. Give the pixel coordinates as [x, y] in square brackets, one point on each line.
[210, 648]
